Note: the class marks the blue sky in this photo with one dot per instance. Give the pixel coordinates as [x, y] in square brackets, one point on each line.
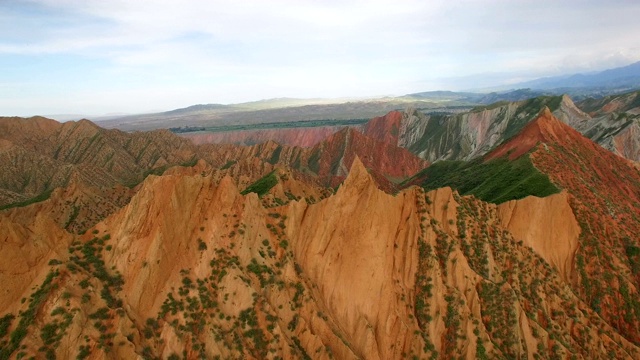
[96, 57]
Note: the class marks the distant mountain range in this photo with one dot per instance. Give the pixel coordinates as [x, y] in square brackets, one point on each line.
[626, 77]
[279, 110]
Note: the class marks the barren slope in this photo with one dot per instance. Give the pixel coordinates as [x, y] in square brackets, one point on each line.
[190, 268]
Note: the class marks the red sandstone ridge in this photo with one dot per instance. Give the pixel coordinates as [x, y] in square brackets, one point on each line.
[547, 225]
[546, 128]
[334, 156]
[383, 157]
[384, 128]
[604, 195]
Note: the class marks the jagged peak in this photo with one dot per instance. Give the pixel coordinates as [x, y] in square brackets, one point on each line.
[270, 144]
[546, 128]
[82, 127]
[339, 133]
[358, 175]
[568, 105]
[545, 112]
[86, 122]
[228, 185]
[337, 137]
[385, 128]
[545, 121]
[392, 117]
[551, 129]
[35, 123]
[566, 100]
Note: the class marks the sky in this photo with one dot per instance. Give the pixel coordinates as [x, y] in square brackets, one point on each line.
[98, 57]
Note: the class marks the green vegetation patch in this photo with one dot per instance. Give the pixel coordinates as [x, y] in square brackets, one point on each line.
[314, 161]
[228, 164]
[27, 318]
[494, 181]
[38, 198]
[272, 125]
[263, 185]
[276, 155]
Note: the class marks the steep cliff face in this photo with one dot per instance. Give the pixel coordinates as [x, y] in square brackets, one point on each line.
[191, 268]
[385, 128]
[363, 269]
[548, 226]
[26, 248]
[612, 122]
[458, 137]
[626, 142]
[628, 102]
[335, 155]
[609, 122]
[461, 136]
[545, 129]
[604, 192]
[329, 161]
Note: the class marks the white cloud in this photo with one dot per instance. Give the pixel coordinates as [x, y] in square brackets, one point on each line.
[243, 50]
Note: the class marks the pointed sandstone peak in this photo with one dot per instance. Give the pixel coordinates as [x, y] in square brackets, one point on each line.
[358, 176]
[545, 121]
[546, 128]
[17, 128]
[227, 185]
[570, 114]
[545, 112]
[81, 128]
[567, 104]
[385, 128]
[548, 225]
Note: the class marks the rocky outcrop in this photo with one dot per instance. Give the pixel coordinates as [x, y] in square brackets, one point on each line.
[545, 129]
[626, 142]
[468, 135]
[570, 114]
[363, 267]
[385, 128]
[335, 155]
[622, 103]
[603, 191]
[329, 161]
[548, 226]
[27, 246]
[462, 136]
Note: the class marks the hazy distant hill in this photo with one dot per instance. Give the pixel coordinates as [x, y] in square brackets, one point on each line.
[280, 110]
[271, 111]
[621, 77]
